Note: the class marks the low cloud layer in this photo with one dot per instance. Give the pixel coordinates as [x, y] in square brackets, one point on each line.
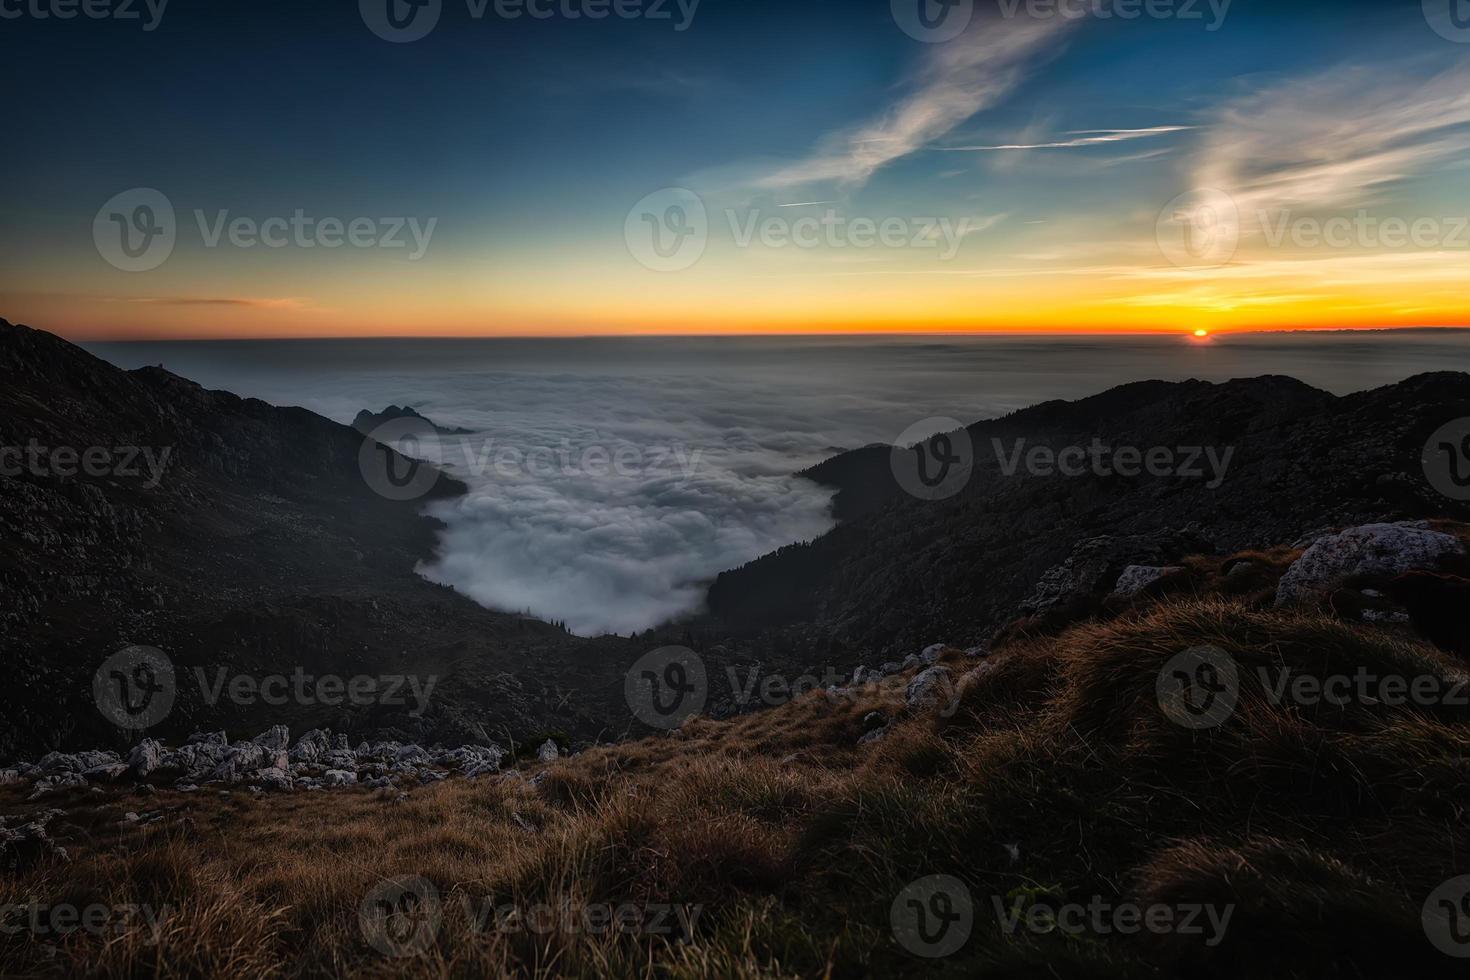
[612, 480]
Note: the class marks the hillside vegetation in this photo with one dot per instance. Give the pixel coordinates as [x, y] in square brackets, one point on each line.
[1050, 773]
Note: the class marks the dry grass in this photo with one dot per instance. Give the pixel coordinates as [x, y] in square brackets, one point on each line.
[1057, 772]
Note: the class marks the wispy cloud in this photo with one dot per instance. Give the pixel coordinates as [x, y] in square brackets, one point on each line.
[1088, 137]
[1335, 140]
[960, 78]
[283, 303]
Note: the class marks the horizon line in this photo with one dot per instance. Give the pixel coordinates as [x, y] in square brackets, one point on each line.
[1181, 333]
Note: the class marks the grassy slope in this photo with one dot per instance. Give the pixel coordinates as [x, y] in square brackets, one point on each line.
[1327, 829]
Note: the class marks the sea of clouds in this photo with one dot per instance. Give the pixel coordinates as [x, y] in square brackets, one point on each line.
[612, 480]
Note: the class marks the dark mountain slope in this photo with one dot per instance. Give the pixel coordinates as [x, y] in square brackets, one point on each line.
[259, 547]
[900, 572]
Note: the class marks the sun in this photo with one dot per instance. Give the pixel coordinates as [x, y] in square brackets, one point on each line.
[1201, 333]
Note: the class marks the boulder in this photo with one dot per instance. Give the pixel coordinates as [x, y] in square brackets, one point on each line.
[276, 737]
[1136, 578]
[56, 763]
[931, 653]
[311, 746]
[929, 687]
[1096, 562]
[207, 738]
[273, 779]
[145, 759]
[339, 777]
[1384, 550]
[548, 752]
[109, 772]
[93, 759]
[50, 784]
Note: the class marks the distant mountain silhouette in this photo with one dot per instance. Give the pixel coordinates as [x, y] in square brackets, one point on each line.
[899, 572]
[366, 422]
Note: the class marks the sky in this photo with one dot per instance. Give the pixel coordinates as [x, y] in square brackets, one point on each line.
[199, 169]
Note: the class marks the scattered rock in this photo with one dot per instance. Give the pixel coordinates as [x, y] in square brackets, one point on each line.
[1097, 561]
[548, 752]
[22, 847]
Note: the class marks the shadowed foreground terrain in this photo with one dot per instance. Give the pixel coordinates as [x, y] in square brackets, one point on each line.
[778, 844]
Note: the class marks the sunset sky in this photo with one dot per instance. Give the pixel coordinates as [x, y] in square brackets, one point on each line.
[1061, 146]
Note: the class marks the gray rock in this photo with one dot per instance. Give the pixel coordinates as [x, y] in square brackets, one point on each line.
[55, 763]
[145, 759]
[311, 746]
[339, 777]
[931, 652]
[929, 687]
[24, 846]
[273, 779]
[891, 667]
[1136, 578]
[51, 784]
[1372, 549]
[1085, 572]
[207, 738]
[276, 737]
[548, 752]
[109, 772]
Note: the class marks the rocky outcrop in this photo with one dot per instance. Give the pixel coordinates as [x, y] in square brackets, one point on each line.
[269, 761]
[1096, 563]
[1372, 551]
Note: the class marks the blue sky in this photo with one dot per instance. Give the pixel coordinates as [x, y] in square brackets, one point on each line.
[529, 141]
